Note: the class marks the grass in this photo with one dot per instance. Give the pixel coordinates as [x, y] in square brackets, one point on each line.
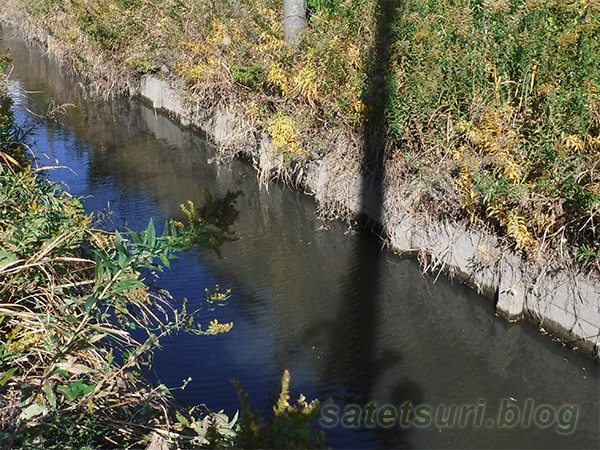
[507, 94]
[492, 108]
[70, 300]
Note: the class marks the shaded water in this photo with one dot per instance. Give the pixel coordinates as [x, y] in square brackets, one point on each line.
[299, 300]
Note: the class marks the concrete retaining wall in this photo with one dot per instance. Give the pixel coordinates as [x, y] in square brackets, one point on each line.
[565, 304]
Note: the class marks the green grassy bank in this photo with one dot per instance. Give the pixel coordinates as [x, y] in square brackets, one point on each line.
[491, 108]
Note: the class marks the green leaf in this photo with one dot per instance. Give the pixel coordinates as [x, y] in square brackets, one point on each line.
[135, 236]
[103, 264]
[49, 343]
[50, 395]
[76, 390]
[6, 258]
[7, 376]
[64, 390]
[90, 303]
[165, 232]
[62, 373]
[99, 272]
[163, 390]
[151, 233]
[182, 420]
[174, 231]
[121, 249]
[31, 411]
[127, 284]
[165, 260]
[79, 388]
[122, 261]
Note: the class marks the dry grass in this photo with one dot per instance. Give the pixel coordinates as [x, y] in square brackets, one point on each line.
[66, 317]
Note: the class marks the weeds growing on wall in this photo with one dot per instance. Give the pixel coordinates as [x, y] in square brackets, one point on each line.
[492, 106]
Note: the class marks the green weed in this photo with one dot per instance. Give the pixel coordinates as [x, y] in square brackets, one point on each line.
[290, 427]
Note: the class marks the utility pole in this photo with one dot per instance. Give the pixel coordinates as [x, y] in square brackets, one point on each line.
[294, 19]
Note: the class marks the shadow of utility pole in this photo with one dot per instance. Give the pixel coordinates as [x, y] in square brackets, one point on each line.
[352, 333]
[356, 321]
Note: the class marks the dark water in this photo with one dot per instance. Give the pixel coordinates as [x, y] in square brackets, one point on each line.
[299, 300]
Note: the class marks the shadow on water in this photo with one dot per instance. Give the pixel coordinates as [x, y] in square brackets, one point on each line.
[352, 332]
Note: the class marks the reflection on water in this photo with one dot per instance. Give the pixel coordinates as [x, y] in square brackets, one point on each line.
[292, 277]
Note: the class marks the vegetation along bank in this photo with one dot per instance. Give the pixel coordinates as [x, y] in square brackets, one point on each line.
[79, 323]
[470, 130]
[70, 297]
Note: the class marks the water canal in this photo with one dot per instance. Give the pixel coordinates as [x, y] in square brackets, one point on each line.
[299, 301]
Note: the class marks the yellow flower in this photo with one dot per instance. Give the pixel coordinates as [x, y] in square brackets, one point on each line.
[217, 328]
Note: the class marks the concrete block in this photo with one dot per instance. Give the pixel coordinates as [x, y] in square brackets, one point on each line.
[511, 289]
